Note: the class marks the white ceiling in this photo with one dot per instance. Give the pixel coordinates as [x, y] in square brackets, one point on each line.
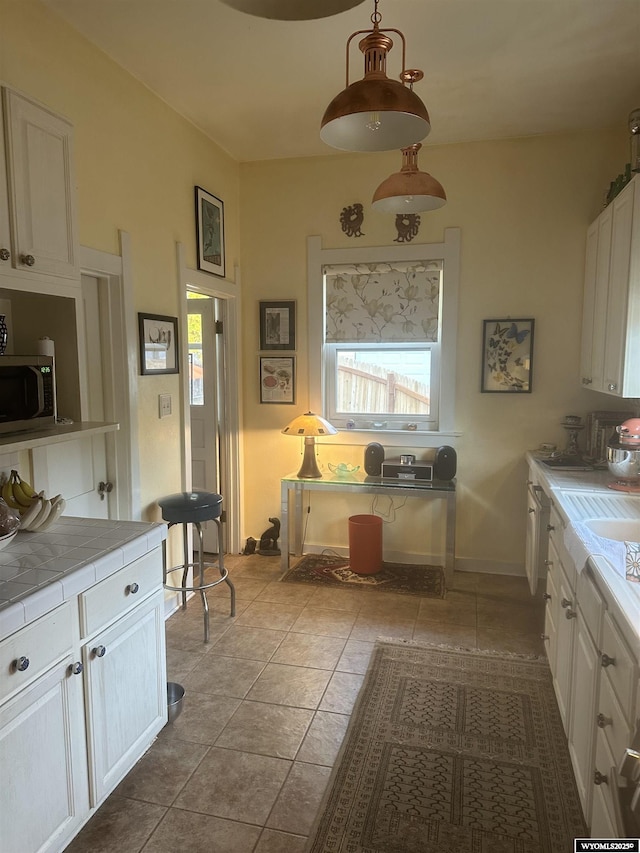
[493, 68]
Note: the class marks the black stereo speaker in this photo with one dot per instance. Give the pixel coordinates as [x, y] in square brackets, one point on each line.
[445, 463]
[373, 459]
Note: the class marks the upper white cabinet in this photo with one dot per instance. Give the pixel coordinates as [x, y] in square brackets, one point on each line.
[611, 310]
[38, 233]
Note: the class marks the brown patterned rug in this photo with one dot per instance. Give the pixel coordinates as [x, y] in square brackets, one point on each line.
[451, 751]
[405, 578]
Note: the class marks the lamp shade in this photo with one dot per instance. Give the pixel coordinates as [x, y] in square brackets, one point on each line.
[292, 10]
[409, 190]
[309, 424]
[376, 113]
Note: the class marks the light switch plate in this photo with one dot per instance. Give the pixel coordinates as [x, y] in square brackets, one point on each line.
[164, 405]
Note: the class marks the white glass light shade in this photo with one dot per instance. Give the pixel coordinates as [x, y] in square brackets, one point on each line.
[409, 190]
[292, 10]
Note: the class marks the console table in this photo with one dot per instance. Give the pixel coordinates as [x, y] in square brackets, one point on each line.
[293, 486]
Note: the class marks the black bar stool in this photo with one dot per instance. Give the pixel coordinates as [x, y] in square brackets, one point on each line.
[193, 508]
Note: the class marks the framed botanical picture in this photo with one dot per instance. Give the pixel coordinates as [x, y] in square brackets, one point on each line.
[210, 232]
[278, 325]
[158, 344]
[277, 380]
[507, 356]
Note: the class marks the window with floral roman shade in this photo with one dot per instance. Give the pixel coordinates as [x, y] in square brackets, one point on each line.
[383, 302]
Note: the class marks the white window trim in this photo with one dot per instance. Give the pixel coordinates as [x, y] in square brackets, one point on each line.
[447, 251]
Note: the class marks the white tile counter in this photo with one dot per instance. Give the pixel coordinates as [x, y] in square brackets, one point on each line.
[582, 495]
[38, 571]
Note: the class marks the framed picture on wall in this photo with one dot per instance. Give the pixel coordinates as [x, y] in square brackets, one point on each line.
[278, 325]
[210, 232]
[507, 356]
[277, 380]
[158, 344]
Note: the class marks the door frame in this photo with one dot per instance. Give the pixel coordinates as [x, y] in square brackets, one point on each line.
[231, 468]
[119, 361]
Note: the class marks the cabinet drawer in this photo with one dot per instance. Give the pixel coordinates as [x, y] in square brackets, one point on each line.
[118, 593]
[557, 551]
[611, 719]
[591, 605]
[622, 669]
[40, 644]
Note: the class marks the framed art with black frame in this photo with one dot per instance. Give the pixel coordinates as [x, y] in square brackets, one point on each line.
[507, 356]
[210, 232]
[158, 344]
[278, 325]
[277, 379]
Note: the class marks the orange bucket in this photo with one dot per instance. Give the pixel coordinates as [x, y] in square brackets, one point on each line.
[365, 544]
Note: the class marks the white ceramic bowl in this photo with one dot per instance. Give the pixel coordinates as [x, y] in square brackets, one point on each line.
[4, 540]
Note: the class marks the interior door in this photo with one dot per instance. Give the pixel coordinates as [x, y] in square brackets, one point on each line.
[78, 469]
[204, 404]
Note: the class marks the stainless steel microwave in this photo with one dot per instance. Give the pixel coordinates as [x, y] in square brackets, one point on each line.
[27, 393]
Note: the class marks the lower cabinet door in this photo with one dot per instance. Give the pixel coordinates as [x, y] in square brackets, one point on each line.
[126, 688]
[45, 791]
[582, 729]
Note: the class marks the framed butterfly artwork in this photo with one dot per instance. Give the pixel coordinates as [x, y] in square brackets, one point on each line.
[507, 356]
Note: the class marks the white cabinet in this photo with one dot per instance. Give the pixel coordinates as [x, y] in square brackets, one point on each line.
[38, 232]
[82, 697]
[611, 308]
[45, 796]
[584, 686]
[536, 539]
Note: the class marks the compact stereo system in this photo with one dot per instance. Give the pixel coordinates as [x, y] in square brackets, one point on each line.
[406, 467]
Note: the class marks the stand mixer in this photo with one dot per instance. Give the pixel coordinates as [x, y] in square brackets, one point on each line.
[623, 457]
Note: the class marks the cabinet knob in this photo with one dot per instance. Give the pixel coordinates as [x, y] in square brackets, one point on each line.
[550, 527]
[544, 636]
[586, 380]
[21, 664]
[532, 509]
[133, 588]
[571, 614]
[546, 596]
[606, 661]
[5, 254]
[600, 778]
[548, 562]
[603, 721]
[613, 386]
[99, 651]
[565, 603]
[27, 260]
[76, 668]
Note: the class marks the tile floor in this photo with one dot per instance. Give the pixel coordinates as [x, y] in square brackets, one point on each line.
[243, 768]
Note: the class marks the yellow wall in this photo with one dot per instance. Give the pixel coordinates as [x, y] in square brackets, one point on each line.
[523, 207]
[137, 164]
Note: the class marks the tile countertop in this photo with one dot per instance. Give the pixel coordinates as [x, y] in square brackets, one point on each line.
[579, 495]
[38, 571]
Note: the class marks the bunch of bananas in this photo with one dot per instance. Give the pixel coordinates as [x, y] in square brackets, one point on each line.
[17, 493]
[37, 512]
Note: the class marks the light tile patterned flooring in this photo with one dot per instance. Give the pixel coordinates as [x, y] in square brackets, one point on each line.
[243, 768]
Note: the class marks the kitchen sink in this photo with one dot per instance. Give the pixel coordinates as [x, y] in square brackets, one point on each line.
[620, 529]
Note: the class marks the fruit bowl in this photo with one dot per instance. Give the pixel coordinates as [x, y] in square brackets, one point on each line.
[4, 540]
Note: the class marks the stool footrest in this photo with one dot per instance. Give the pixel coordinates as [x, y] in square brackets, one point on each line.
[197, 588]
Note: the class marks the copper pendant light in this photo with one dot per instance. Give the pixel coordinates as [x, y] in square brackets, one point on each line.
[292, 10]
[376, 113]
[409, 190]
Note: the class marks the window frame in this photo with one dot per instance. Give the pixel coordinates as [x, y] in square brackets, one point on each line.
[395, 421]
[448, 251]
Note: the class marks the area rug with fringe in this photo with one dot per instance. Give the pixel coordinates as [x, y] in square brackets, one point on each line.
[451, 751]
[406, 578]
